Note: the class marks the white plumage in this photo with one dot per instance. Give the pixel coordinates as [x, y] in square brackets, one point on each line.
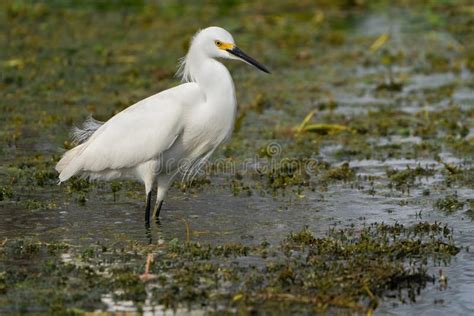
[172, 131]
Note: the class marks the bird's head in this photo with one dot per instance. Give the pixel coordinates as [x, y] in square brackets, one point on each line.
[216, 42]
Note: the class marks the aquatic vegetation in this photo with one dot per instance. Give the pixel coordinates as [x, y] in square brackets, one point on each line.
[370, 104]
[470, 211]
[325, 129]
[6, 192]
[403, 180]
[34, 170]
[344, 269]
[322, 129]
[288, 172]
[342, 173]
[32, 204]
[79, 188]
[449, 204]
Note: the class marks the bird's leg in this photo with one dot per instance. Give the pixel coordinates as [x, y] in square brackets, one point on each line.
[147, 209]
[149, 180]
[164, 182]
[157, 209]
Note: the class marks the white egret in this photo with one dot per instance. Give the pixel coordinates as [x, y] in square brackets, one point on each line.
[182, 126]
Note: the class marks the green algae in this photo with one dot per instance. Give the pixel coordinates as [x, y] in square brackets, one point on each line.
[343, 269]
[403, 180]
[449, 204]
[6, 192]
[54, 74]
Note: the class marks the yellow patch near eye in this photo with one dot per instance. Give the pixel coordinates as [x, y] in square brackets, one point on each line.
[224, 46]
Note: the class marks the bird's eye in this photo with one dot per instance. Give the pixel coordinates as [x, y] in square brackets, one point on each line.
[218, 43]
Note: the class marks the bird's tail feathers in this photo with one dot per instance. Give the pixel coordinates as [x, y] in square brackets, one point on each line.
[69, 165]
[81, 135]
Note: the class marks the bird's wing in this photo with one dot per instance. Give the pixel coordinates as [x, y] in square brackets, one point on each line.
[140, 132]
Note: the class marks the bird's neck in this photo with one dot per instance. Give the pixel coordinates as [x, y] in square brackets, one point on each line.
[212, 77]
[216, 82]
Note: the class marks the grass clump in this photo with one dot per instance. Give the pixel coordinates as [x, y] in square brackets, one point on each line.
[289, 172]
[403, 180]
[449, 204]
[345, 269]
[6, 193]
[343, 173]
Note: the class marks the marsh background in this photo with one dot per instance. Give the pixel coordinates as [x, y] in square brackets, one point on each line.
[367, 118]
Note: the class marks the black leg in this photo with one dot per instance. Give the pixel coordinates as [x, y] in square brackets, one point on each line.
[148, 234]
[148, 209]
[157, 211]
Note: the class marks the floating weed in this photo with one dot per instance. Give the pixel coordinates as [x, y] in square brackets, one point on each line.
[390, 86]
[321, 129]
[325, 129]
[78, 184]
[25, 247]
[43, 177]
[345, 269]
[116, 186]
[462, 147]
[403, 180]
[6, 192]
[289, 172]
[198, 182]
[459, 176]
[438, 62]
[37, 170]
[431, 228]
[303, 237]
[275, 176]
[343, 173]
[309, 274]
[449, 204]
[33, 204]
[470, 211]
[79, 188]
[127, 285]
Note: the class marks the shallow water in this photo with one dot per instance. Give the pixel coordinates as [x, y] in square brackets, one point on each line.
[213, 212]
[214, 215]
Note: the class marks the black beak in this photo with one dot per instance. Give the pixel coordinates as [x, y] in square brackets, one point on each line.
[249, 60]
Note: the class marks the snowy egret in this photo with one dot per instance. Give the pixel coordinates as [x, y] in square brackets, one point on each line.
[173, 131]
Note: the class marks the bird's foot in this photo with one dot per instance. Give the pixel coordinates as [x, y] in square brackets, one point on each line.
[147, 276]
